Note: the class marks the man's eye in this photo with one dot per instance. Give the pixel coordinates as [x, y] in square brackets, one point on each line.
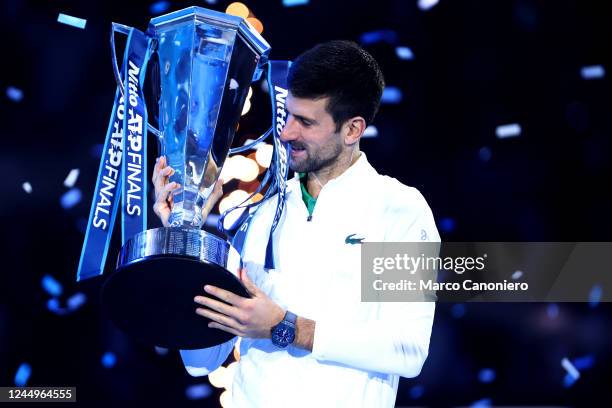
[306, 122]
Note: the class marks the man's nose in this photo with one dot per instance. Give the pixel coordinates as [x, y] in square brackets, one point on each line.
[289, 132]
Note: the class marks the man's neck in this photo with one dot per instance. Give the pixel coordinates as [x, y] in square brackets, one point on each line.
[317, 179]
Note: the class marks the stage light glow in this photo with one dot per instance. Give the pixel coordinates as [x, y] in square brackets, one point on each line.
[71, 21]
[486, 375]
[264, 154]
[217, 377]
[552, 310]
[417, 391]
[257, 25]
[458, 310]
[447, 224]
[246, 169]
[237, 9]
[484, 154]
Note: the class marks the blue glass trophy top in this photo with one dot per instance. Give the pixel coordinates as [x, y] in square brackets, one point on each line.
[207, 61]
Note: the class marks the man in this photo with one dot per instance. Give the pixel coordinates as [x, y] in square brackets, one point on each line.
[307, 339]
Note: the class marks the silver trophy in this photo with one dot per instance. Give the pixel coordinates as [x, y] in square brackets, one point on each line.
[205, 62]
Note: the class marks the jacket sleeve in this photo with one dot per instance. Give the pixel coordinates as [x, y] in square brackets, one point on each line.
[398, 341]
[201, 362]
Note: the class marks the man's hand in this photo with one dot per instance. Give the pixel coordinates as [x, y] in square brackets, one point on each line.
[246, 317]
[165, 191]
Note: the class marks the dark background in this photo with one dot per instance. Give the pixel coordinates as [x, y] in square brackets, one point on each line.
[477, 65]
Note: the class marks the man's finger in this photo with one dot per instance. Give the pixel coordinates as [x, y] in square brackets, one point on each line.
[220, 318]
[219, 326]
[248, 283]
[166, 191]
[217, 306]
[224, 295]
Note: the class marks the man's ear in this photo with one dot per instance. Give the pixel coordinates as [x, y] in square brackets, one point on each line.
[353, 129]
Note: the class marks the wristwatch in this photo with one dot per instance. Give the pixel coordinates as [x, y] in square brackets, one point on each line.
[283, 333]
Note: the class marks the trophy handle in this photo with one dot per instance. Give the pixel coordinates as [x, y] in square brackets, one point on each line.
[123, 29]
[252, 144]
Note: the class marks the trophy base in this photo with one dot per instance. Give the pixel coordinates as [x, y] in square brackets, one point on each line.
[150, 295]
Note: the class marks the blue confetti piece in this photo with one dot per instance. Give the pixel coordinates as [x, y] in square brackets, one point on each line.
[391, 94]
[517, 275]
[373, 37]
[293, 3]
[481, 403]
[71, 21]
[75, 301]
[109, 360]
[568, 380]
[53, 305]
[595, 295]
[486, 375]
[593, 72]
[552, 311]
[23, 375]
[417, 391]
[14, 94]
[447, 224]
[70, 198]
[162, 351]
[404, 53]
[484, 154]
[198, 391]
[370, 131]
[51, 286]
[159, 7]
[458, 310]
[584, 363]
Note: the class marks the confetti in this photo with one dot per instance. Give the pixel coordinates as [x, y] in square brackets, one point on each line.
[23, 374]
[484, 154]
[53, 305]
[51, 286]
[584, 363]
[76, 301]
[71, 178]
[162, 351]
[198, 391]
[595, 295]
[593, 72]
[447, 224]
[370, 131]
[458, 310]
[109, 360]
[27, 187]
[293, 3]
[70, 198]
[404, 53]
[517, 275]
[14, 94]
[392, 95]
[569, 367]
[552, 311]
[486, 375]
[71, 21]
[417, 391]
[159, 7]
[505, 131]
[481, 403]
[373, 37]
[427, 4]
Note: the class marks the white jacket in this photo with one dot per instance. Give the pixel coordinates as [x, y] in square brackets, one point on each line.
[360, 349]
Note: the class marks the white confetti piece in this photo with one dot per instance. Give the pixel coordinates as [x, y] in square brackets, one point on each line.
[14, 94]
[27, 187]
[370, 131]
[569, 367]
[506, 131]
[71, 21]
[593, 72]
[404, 53]
[427, 4]
[71, 178]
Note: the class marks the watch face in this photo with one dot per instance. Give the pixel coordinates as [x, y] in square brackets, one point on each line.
[283, 335]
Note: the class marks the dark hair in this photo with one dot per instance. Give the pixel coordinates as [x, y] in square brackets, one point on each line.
[342, 71]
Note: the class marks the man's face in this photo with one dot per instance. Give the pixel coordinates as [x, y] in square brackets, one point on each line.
[311, 132]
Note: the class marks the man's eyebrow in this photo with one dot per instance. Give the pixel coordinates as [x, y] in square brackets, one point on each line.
[300, 117]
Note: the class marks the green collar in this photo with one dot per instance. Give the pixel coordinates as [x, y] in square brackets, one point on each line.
[309, 200]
